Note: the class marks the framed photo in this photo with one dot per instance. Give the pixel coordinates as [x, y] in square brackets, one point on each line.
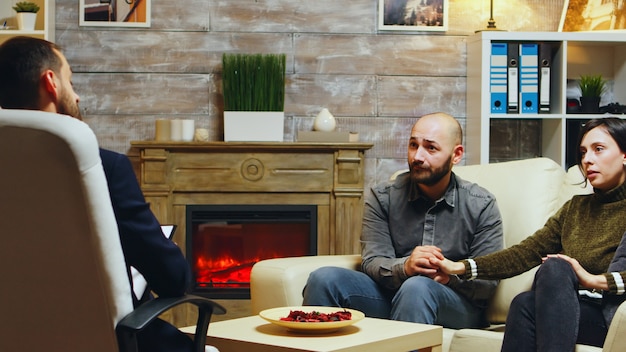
[413, 15]
[115, 13]
[593, 15]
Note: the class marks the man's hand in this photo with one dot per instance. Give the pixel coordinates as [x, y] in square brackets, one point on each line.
[419, 262]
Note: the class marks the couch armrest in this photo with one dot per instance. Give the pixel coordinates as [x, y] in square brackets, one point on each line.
[279, 282]
[616, 337]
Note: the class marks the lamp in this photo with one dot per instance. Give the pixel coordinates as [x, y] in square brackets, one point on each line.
[491, 24]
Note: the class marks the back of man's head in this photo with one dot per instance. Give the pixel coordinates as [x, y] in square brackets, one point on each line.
[22, 62]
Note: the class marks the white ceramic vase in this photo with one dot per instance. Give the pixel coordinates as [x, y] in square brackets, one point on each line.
[26, 21]
[324, 121]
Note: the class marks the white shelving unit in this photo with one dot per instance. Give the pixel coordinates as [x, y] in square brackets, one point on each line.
[44, 28]
[574, 54]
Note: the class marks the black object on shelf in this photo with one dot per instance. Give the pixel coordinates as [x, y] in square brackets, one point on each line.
[613, 108]
[573, 106]
[572, 130]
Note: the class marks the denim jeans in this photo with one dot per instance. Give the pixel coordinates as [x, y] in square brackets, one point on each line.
[419, 299]
[551, 317]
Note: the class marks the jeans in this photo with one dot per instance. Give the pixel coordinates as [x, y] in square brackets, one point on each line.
[551, 317]
[419, 299]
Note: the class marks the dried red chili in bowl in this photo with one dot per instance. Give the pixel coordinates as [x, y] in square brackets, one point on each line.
[317, 317]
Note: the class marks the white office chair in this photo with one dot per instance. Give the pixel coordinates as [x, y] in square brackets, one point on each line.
[62, 270]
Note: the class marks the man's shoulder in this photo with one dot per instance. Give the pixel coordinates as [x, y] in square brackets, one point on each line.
[400, 181]
[109, 154]
[472, 189]
[114, 162]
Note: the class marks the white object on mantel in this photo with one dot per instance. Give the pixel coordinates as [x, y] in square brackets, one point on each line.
[176, 130]
[201, 135]
[324, 121]
[254, 126]
[26, 21]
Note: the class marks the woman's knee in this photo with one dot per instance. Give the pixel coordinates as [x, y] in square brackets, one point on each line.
[556, 270]
[557, 265]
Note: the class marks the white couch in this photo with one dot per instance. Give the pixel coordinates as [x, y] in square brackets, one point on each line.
[527, 191]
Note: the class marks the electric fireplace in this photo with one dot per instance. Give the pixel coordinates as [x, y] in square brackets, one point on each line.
[225, 241]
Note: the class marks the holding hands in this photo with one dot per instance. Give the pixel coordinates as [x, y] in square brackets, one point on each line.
[421, 262]
[447, 266]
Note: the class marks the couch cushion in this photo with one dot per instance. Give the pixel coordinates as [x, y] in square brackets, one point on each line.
[475, 340]
[527, 192]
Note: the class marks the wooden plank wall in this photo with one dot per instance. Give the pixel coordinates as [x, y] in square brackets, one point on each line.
[375, 82]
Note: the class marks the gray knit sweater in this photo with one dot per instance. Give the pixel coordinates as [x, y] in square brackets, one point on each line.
[587, 227]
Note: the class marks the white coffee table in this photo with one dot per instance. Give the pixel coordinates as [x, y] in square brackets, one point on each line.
[368, 335]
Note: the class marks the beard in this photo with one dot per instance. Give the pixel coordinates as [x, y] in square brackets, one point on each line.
[69, 106]
[430, 176]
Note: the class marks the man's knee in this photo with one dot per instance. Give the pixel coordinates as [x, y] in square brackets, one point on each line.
[417, 287]
[327, 274]
[325, 279]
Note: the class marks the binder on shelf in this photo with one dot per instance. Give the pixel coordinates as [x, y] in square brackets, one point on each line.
[529, 78]
[498, 77]
[545, 66]
[513, 78]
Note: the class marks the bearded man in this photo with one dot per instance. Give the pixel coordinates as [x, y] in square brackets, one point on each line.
[423, 213]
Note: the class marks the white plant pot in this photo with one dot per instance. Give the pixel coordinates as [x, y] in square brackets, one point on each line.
[254, 126]
[26, 21]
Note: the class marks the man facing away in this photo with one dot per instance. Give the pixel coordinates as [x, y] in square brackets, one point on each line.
[35, 75]
[426, 212]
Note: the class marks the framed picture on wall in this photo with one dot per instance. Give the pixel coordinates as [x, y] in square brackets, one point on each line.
[593, 15]
[413, 15]
[115, 13]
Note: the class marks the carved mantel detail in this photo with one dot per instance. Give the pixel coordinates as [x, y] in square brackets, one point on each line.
[329, 175]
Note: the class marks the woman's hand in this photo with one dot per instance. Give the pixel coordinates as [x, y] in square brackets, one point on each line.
[585, 278]
[449, 267]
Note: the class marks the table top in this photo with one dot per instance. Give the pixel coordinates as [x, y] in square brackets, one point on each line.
[368, 335]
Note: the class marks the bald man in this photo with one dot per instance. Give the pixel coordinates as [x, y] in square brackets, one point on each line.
[425, 212]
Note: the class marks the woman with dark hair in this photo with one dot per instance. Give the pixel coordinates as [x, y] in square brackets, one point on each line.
[581, 279]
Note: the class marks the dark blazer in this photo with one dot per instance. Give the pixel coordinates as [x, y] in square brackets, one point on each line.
[157, 258]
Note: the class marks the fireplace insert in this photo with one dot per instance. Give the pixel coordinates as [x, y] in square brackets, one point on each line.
[225, 241]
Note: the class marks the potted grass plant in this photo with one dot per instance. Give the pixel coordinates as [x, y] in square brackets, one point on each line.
[591, 89]
[26, 14]
[254, 97]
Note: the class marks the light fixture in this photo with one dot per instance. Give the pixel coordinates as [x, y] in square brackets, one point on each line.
[491, 24]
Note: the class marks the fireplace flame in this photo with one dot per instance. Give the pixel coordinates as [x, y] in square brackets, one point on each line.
[223, 272]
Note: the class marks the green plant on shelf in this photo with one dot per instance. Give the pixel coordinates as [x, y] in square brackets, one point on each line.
[591, 85]
[26, 6]
[254, 82]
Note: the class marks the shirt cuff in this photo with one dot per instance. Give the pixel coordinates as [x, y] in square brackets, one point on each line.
[619, 283]
[471, 270]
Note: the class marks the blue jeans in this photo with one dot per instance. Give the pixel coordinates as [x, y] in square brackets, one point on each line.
[419, 299]
[551, 317]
